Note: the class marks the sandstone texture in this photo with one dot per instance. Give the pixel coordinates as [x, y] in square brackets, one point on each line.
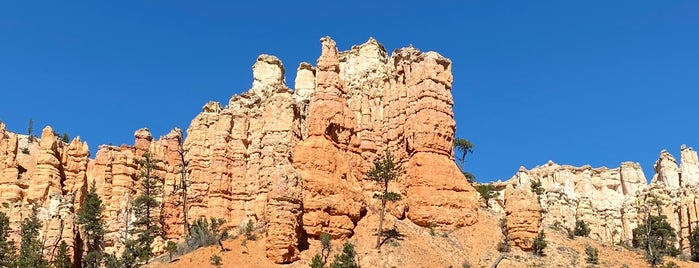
[523, 215]
[611, 201]
[292, 161]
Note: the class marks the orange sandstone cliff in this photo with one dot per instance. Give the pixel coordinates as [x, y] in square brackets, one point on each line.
[293, 161]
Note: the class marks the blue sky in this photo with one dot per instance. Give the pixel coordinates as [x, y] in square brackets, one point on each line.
[577, 82]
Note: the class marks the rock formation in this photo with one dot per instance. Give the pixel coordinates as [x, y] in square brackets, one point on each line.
[297, 160]
[523, 216]
[43, 174]
[611, 201]
[292, 161]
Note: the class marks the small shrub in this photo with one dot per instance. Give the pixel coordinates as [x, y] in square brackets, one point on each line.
[592, 255]
[540, 244]
[670, 264]
[503, 246]
[469, 176]
[65, 138]
[570, 233]
[432, 230]
[556, 226]
[215, 260]
[536, 187]
[25, 150]
[317, 261]
[581, 228]
[249, 229]
[205, 233]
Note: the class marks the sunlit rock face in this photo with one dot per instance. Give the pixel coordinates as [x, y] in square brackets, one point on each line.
[614, 201]
[293, 161]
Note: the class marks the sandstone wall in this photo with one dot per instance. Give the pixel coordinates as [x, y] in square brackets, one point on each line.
[613, 201]
[47, 174]
[292, 161]
[296, 161]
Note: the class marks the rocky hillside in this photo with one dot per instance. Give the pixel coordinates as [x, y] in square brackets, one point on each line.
[292, 161]
[612, 201]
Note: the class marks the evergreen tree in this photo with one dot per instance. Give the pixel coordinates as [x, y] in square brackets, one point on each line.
[537, 188]
[62, 260]
[317, 261]
[657, 238]
[31, 249]
[540, 244]
[91, 219]
[326, 247]
[8, 250]
[171, 248]
[487, 192]
[30, 129]
[463, 146]
[346, 259]
[384, 170]
[146, 208]
[694, 244]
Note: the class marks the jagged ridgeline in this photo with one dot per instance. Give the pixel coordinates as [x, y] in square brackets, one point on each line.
[611, 201]
[293, 161]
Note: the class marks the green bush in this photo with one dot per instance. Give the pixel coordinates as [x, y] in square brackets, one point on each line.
[581, 228]
[249, 229]
[205, 233]
[592, 255]
[215, 260]
[540, 244]
[536, 187]
[346, 259]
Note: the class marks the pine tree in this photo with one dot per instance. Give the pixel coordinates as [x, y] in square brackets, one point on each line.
[62, 259]
[146, 208]
[657, 237]
[694, 244]
[91, 219]
[31, 249]
[384, 170]
[8, 250]
[30, 129]
[540, 244]
[487, 192]
[346, 259]
[592, 255]
[464, 146]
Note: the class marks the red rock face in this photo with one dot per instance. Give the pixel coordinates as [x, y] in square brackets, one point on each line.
[293, 161]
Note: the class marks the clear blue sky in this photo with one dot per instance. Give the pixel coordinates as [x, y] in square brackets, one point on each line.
[577, 82]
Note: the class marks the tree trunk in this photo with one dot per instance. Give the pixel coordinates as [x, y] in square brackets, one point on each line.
[184, 194]
[383, 213]
[497, 261]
